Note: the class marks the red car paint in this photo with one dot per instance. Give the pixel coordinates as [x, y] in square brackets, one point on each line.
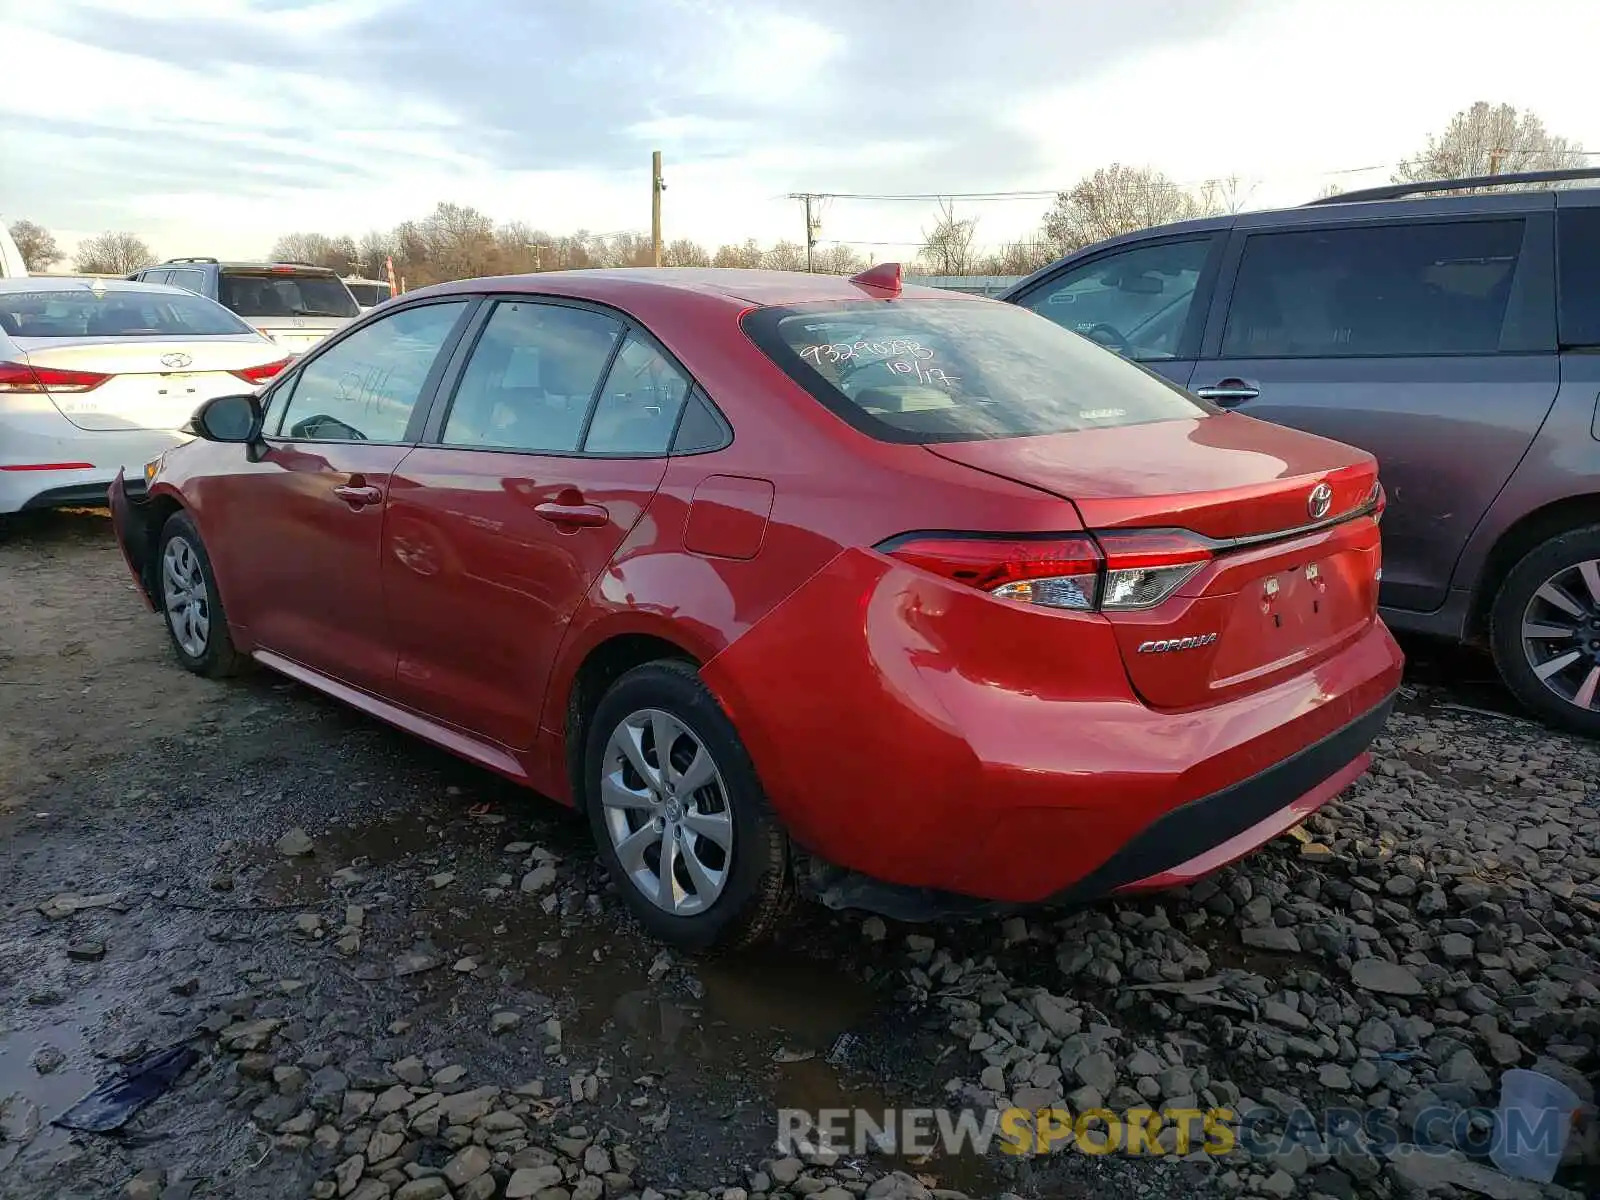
[905, 725]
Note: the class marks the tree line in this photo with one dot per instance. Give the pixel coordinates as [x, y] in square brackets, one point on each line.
[457, 241]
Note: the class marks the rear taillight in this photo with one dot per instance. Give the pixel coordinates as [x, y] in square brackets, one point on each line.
[1379, 500]
[1057, 572]
[262, 373]
[1113, 570]
[1145, 566]
[20, 377]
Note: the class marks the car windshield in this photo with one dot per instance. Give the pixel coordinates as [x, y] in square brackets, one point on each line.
[946, 371]
[285, 294]
[113, 312]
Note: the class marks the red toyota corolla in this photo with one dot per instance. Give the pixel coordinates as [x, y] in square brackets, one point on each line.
[914, 600]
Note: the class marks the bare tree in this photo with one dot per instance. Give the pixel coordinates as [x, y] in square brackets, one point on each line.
[785, 256]
[748, 256]
[1490, 140]
[684, 253]
[1018, 258]
[36, 244]
[1329, 191]
[1117, 200]
[459, 242]
[947, 247]
[1225, 195]
[837, 259]
[112, 254]
[336, 253]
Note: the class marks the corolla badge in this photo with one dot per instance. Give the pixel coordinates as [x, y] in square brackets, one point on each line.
[176, 359]
[1168, 645]
[1319, 501]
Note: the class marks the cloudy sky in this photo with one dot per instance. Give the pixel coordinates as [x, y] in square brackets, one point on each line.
[211, 126]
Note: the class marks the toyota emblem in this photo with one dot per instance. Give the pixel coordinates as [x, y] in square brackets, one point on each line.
[175, 360]
[1319, 501]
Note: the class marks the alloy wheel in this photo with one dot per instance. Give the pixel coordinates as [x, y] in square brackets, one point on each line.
[667, 813]
[183, 590]
[1561, 634]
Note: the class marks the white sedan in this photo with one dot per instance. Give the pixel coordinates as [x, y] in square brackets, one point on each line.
[100, 375]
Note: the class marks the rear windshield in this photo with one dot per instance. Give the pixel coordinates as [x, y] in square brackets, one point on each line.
[956, 371]
[121, 312]
[369, 293]
[280, 294]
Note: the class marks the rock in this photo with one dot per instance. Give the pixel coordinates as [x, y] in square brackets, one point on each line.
[467, 1166]
[308, 924]
[86, 951]
[1271, 937]
[538, 879]
[1376, 1034]
[504, 1022]
[410, 1070]
[1457, 947]
[146, 1185]
[249, 1035]
[785, 1170]
[1097, 1071]
[295, 844]
[501, 1121]
[442, 880]
[466, 1107]
[370, 1189]
[874, 930]
[1144, 1063]
[432, 1188]
[590, 1187]
[1055, 1015]
[384, 1145]
[1281, 1014]
[58, 908]
[1334, 1077]
[530, 1181]
[47, 1060]
[348, 1173]
[481, 1188]
[1463, 1068]
[1387, 978]
[596, 1161]
[1431, 1173]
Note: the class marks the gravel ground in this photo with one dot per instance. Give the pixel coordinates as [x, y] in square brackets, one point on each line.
[403, 978]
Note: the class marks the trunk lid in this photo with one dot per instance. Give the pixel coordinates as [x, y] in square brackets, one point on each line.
[1289, 583]
[296, 335]
[151, 386]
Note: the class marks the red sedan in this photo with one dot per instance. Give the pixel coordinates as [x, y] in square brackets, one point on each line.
[910, 598]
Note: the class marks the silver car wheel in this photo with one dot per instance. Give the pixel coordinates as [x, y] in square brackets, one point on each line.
[183, 591]
[667, 812]
[1561, 633]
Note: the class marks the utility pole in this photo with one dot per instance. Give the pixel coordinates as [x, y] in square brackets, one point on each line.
[813, 226]
[656, 188]
[1494, 160]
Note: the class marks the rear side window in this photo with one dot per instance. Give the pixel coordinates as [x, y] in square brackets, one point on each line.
[924, 371]
[640, 403]
[189, 280]
[1578, 257]
[285, 294]
[1378, 291]
[531, 378]
[124, 312]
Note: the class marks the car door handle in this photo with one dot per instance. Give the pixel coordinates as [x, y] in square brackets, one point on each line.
[359, 495]
[576, 515]
[1229, 392]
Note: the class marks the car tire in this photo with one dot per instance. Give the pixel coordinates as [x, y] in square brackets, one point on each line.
[190, 604]
[1521, 606]
[723, 897]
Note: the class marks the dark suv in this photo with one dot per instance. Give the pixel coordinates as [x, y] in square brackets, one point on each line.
[1457, 337]
[294, 304]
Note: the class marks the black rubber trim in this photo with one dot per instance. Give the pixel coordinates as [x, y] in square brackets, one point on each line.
[1195, 827]
[79, 495]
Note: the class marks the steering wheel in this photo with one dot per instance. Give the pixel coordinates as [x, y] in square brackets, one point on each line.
[311, 429]
[1112, 339]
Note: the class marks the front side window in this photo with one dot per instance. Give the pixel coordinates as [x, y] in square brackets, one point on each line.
[1135, 302]
[945, 370]
[1379, 290]
[108, 312]
[285, 294]
[531, 378]
[364, 387]
[639, 405]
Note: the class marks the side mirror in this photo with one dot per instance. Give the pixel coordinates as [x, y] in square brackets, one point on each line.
[228, 419]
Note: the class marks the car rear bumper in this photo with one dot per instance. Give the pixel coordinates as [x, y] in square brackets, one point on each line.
[918, 733]
[46, 462]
